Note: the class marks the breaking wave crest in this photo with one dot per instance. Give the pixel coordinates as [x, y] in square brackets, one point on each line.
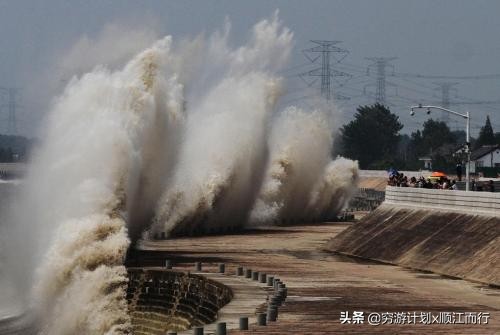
[300, 148]
[92, 164]
[177, 142]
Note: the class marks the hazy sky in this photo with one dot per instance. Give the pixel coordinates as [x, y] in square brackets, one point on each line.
[429, 37]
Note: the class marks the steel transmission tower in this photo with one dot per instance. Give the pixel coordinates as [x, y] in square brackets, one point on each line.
[11, 105]
[445, 88]
[380, 64]
[329, 54]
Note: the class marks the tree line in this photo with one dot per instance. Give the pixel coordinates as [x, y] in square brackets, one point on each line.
[14, 148]
[374, 138]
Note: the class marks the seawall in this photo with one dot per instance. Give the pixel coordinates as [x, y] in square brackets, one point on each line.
[166, 299]
[453, 233]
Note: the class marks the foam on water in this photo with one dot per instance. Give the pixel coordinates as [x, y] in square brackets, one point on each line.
[300, 147]
[177, 141]
[224, 150]
[93, 162]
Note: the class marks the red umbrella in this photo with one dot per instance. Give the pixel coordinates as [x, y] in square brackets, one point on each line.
[438, 174]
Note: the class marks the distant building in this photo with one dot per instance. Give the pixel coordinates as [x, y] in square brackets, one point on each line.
[487, 156]
[427, 163]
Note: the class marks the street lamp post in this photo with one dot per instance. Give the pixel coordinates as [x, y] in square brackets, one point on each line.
[466, 116]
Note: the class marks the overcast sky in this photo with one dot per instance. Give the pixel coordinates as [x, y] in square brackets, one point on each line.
[451, 38]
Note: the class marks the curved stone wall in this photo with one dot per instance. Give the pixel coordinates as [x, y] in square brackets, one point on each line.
[161, 300]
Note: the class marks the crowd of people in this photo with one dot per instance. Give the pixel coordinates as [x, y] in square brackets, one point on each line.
[441, 183]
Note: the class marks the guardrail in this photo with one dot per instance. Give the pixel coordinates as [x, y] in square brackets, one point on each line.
[366, 199]
[480, 186]
[469, 202]
[383, 173]
[12, 170]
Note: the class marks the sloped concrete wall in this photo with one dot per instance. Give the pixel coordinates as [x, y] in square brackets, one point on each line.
[452, 234]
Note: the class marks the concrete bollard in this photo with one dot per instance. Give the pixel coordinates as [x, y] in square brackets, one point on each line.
[275, 283]
[248, 273]
[147, 290]
[275, 300]
[271, 307]
[255, 275]
[221, 328]
[243, 323]
[168, 264]
[198, 331]
[285, 292]
[272, 313]
[239, 271]
[262, 277]
[222, 268]
[261, 319]
[197, 266]
[281, 294]
[270, 281]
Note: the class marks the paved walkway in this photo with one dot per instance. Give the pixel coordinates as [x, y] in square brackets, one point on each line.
[321, 286]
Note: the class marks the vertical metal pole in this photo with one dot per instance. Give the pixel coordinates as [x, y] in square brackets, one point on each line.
[467, 171]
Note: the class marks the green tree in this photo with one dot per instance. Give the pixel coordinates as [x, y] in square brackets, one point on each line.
[415, 150]
[436, 141]
[497, 138]
[436, 134]
[486, 134]
[440, 143]
[372, 137]
[460, 136]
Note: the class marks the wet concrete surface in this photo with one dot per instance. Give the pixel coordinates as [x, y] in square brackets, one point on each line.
[322, 285]
[452, 243]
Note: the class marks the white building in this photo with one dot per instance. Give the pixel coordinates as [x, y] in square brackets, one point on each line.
[427, 163]
[486, 156]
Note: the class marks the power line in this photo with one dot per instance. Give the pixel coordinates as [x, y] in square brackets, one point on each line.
[445, 88]
[329, 53]
[427, 76]
[380, 70]
[294, 68]
[431, 76]
[380, 64]
[12, 106]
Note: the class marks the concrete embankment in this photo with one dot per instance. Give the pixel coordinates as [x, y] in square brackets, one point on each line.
[453, 233]
[22, 324]
[163, 299]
